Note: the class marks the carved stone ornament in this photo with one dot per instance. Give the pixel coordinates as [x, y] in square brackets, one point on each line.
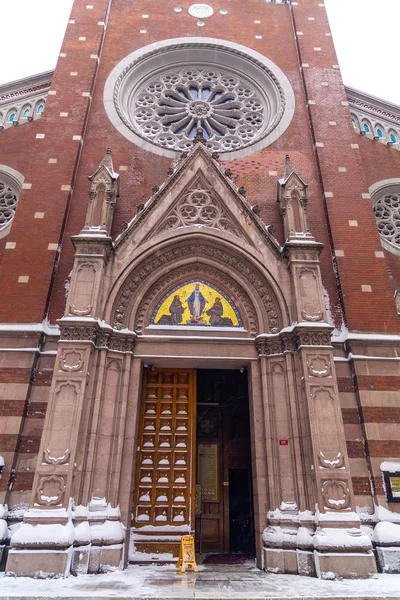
[169, 256]
[114, 342]
[51, 490]
[78, 333]
[312, 318]
[336, 494]
[326, 463]
[276, 346]
[308, 281]
[318, 338]
[72, 360]
[292, 342]
[319, 366]
[101, 339]
[48, 459]
[81, 313]
[324, 392]
[198, 207]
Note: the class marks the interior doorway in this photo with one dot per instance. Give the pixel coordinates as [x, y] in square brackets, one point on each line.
[224, 519]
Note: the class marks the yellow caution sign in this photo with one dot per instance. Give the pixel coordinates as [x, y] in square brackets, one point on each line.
[187, 556]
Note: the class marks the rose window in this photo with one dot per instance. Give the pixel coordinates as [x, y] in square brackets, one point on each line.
[8, 204]
[387, 213]
[170, 109]
[160, 95]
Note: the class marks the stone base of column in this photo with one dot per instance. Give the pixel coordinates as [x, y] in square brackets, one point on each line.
[333, 565]
[280, 561]
[389, 558]
[106, 558]
[40, 564]
[339, 549]
[80, 560]
[293, 562]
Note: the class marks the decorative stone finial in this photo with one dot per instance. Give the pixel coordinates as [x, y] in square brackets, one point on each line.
[107, 161]
[289, 167]
[199, 137]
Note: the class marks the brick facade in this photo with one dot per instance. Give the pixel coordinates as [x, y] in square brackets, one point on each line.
[56, 154]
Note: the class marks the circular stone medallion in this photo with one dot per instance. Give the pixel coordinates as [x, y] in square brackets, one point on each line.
[201, 11]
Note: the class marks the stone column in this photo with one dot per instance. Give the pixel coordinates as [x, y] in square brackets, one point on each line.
[44, 543]
[313, 527]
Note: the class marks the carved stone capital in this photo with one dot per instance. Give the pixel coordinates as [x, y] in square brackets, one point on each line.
[78, 333]
[99, 338]
[291, 342]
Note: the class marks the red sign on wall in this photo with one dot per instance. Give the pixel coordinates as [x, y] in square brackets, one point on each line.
[283, 442]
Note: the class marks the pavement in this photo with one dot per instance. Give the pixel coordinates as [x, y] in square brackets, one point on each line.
[213, 582]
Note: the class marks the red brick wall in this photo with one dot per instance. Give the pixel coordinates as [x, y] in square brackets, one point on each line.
[359, 266]
[319, 167]
[27, 302]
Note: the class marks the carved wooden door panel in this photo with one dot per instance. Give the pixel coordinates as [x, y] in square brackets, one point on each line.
[165, 463]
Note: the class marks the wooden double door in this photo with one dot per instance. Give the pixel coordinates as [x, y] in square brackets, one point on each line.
[194, 434]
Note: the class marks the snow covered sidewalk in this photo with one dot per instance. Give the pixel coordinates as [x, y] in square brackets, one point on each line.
[211, 583]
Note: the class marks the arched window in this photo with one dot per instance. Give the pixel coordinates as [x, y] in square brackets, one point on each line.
[379, 133]
[393, 138]
[366, 127]
[354, 122]
[40, 109]
[11, 118]
[10, 188]
[26, 113]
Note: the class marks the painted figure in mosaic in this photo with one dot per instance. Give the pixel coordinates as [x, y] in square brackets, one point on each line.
[176, 309]
[196, 303]
[215, 313]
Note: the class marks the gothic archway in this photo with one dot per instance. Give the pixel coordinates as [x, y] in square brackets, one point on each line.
[254, 291]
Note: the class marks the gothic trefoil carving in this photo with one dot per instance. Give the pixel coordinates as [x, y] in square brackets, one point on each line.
[199, 206]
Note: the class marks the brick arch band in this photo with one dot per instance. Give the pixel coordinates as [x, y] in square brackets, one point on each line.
[147, 283]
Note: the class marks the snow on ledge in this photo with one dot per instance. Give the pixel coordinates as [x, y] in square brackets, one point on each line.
[388, 465]
[43, 327]
[3, 511]
[341, 538]
[52, 534]
[387, 533]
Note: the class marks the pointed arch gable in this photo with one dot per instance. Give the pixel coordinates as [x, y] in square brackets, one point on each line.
[199, 204]
[202, 167]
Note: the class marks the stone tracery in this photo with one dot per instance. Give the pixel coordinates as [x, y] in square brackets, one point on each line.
[199, 207]
[170, 108]
[8, 204]
[387, 213]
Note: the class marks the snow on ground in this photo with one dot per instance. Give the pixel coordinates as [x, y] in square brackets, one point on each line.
[222, 582]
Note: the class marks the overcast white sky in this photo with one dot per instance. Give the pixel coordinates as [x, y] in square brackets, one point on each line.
[365, 33]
